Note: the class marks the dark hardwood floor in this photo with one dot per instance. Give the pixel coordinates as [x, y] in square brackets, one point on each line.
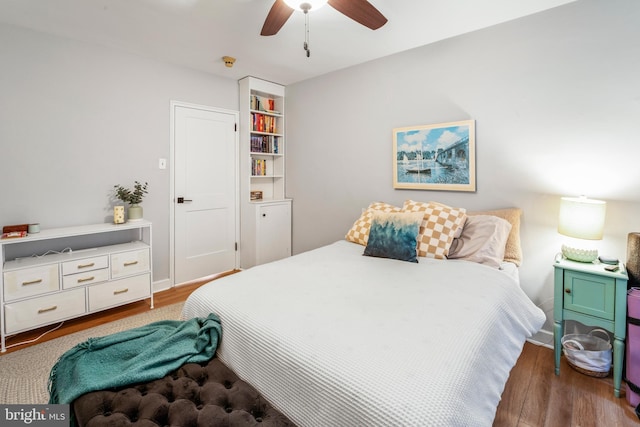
[534, 396]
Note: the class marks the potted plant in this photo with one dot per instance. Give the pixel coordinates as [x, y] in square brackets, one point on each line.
[133, 197]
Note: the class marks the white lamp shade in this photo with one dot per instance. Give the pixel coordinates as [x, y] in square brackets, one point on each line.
[296, 4]
[582, 218]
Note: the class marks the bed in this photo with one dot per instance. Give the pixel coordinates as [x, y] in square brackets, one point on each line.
[331, 337]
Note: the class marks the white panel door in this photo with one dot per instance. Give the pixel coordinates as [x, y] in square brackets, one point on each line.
[205, 158]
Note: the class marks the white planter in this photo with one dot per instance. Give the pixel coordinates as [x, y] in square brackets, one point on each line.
[135, 213]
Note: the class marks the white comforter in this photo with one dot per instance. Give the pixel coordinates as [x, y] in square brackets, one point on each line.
[334, 338]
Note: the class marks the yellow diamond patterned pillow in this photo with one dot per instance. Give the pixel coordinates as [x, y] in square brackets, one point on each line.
[440, 225]
[359, 232]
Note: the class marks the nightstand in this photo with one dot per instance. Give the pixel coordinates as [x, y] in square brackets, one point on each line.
[593, 296]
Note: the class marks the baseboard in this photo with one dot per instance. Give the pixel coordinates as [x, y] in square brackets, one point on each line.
[543, 338]
[161, 285]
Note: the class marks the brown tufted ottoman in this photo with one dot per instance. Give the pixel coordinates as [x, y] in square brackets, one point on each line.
[196, 395]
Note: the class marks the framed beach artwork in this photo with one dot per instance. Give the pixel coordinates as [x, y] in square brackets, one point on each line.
[435, 157]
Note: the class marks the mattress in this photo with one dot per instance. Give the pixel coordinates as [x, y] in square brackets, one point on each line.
[511, 269]
[334, 338]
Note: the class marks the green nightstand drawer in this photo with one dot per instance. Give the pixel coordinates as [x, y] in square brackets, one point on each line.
[589, 294]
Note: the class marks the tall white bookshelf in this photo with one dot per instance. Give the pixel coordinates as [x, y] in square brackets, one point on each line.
[265, 211]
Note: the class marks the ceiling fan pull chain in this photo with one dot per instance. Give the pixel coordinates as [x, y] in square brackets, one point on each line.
[306, 33]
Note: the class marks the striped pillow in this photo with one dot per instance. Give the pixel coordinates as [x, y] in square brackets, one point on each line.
[440, 225]
[359, 232]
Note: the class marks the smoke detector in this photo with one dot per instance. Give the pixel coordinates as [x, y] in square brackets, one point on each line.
[228, 61]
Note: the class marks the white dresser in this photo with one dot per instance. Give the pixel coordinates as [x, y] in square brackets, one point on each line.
[63, 273]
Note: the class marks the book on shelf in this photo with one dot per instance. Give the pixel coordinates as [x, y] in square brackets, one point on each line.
[263, 123]
[18, 227]
[258, 167]
[263, 103]
[14, 234]
[264, 144]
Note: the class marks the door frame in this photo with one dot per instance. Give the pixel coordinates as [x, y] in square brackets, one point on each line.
[172, 196]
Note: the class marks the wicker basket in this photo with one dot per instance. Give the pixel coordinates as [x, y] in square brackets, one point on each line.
[588, 354]
[587, 372]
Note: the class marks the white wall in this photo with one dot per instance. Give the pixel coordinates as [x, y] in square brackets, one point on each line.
[76, 119]
[556, 99]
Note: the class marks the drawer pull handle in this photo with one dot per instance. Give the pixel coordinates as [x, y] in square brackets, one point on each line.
[127, 264]
[567, 291]
[45, 310]
[121, 291]
[32, 282]
[91, 264]
[86, 279]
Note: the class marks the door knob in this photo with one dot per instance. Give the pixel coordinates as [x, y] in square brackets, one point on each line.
[182, 200]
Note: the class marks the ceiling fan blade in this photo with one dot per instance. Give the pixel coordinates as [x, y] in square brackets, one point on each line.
[276, 18]
[360, 11]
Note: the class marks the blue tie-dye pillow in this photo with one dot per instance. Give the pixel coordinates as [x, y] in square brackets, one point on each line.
[394, 235]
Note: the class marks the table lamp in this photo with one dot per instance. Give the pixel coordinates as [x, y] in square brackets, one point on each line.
[581, 218]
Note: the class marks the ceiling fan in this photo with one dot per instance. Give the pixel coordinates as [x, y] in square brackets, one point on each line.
[360, 11]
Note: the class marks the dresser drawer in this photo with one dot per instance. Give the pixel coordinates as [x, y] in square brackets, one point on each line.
[30, 282]
[589, 294]
[119, 292]
[85, 264]
[83, 279]
[43, 310]
[128, 263]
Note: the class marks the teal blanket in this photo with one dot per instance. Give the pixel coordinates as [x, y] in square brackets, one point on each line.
[137, 355]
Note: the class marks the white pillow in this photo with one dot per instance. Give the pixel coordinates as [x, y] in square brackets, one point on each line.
[513, 250]
[483, 240]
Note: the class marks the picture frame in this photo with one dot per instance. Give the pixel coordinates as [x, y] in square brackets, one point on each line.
[435, 157]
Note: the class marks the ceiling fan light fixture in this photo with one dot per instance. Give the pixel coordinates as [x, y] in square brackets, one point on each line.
[305, 5]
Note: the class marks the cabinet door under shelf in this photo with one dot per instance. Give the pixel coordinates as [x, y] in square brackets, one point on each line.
[273, 232]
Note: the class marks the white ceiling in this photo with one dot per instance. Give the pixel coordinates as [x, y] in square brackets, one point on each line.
[198, 33]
